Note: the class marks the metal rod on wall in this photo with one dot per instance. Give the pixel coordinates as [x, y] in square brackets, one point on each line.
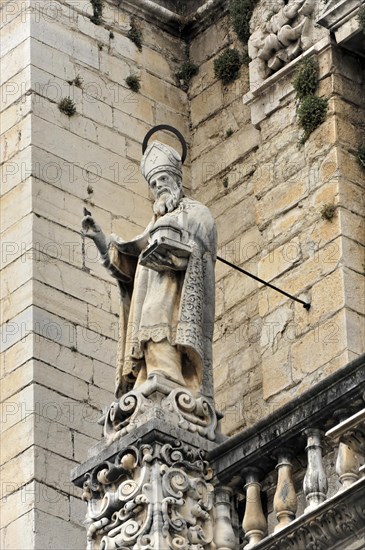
[305, 304]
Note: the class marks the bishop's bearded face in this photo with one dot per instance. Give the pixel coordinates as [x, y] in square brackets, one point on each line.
[167, 191]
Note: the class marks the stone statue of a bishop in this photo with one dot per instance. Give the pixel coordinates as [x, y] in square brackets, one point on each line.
[166, 281]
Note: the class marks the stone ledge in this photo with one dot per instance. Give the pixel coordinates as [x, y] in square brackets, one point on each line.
[338, 12]
[152, 431]
[340, 18]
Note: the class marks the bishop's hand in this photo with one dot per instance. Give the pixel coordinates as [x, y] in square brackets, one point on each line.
[90, 229]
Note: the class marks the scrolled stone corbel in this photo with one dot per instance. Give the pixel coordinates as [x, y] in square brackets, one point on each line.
[285, 498]
[224, 536]
[254, 522]
[315, 483]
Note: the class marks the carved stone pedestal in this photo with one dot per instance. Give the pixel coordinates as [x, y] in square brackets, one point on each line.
[148, 485]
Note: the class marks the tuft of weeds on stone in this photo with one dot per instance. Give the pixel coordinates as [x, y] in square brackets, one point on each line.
[229, 132]
[135, 35]
[67, 106]
[328, 211]
[111, 35]
[98, 11]
[361, 155]
[240, 14]
[311, 110]
[227, 66]
[186, 72]
[133, 82]
[78, 82]
[306, 78]
[90, 189]
[361, 17]
[225, 182]
[311, 113]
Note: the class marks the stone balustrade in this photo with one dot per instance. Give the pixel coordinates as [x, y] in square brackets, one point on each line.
[297, 477]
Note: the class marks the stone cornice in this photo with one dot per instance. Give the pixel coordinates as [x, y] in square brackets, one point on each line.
[314, 408]
[194, 20]
[157, 429]
[338, 12]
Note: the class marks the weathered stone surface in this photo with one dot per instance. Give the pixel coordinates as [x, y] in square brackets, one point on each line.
[329, 335]
[90, 160]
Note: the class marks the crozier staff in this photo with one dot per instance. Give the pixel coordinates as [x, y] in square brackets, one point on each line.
[166, 280]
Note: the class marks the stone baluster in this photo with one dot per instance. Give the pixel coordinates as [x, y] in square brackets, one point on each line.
[285, 498]
[254, 522]
[224, 536]
[315, 483]
[349, 434]
[347, 465]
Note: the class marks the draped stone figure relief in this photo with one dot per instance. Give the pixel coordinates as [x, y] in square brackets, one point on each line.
[283, 30]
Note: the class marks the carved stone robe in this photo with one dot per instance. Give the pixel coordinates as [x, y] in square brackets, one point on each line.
[177, 305]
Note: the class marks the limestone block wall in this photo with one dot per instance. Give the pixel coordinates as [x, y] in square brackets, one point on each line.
[59, 309]
[267, 194]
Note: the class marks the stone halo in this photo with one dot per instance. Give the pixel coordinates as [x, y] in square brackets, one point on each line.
[169, 129]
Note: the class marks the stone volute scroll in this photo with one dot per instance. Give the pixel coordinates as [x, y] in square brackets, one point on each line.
[148, 484]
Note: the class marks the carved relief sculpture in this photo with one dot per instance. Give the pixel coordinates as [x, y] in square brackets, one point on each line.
[284, 32]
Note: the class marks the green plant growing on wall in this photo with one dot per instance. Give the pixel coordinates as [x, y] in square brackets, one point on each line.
[311, 113]
[241, 12]
[186, 72]
[229, 132]
[227, 66]
[133, 82]
[311, 110]
[306, 78]
[78, 82]
[135, 35]
[361, 155]
[67, 106]
[328, 211]
[361, 17]
[98, 11]
[225, 182]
